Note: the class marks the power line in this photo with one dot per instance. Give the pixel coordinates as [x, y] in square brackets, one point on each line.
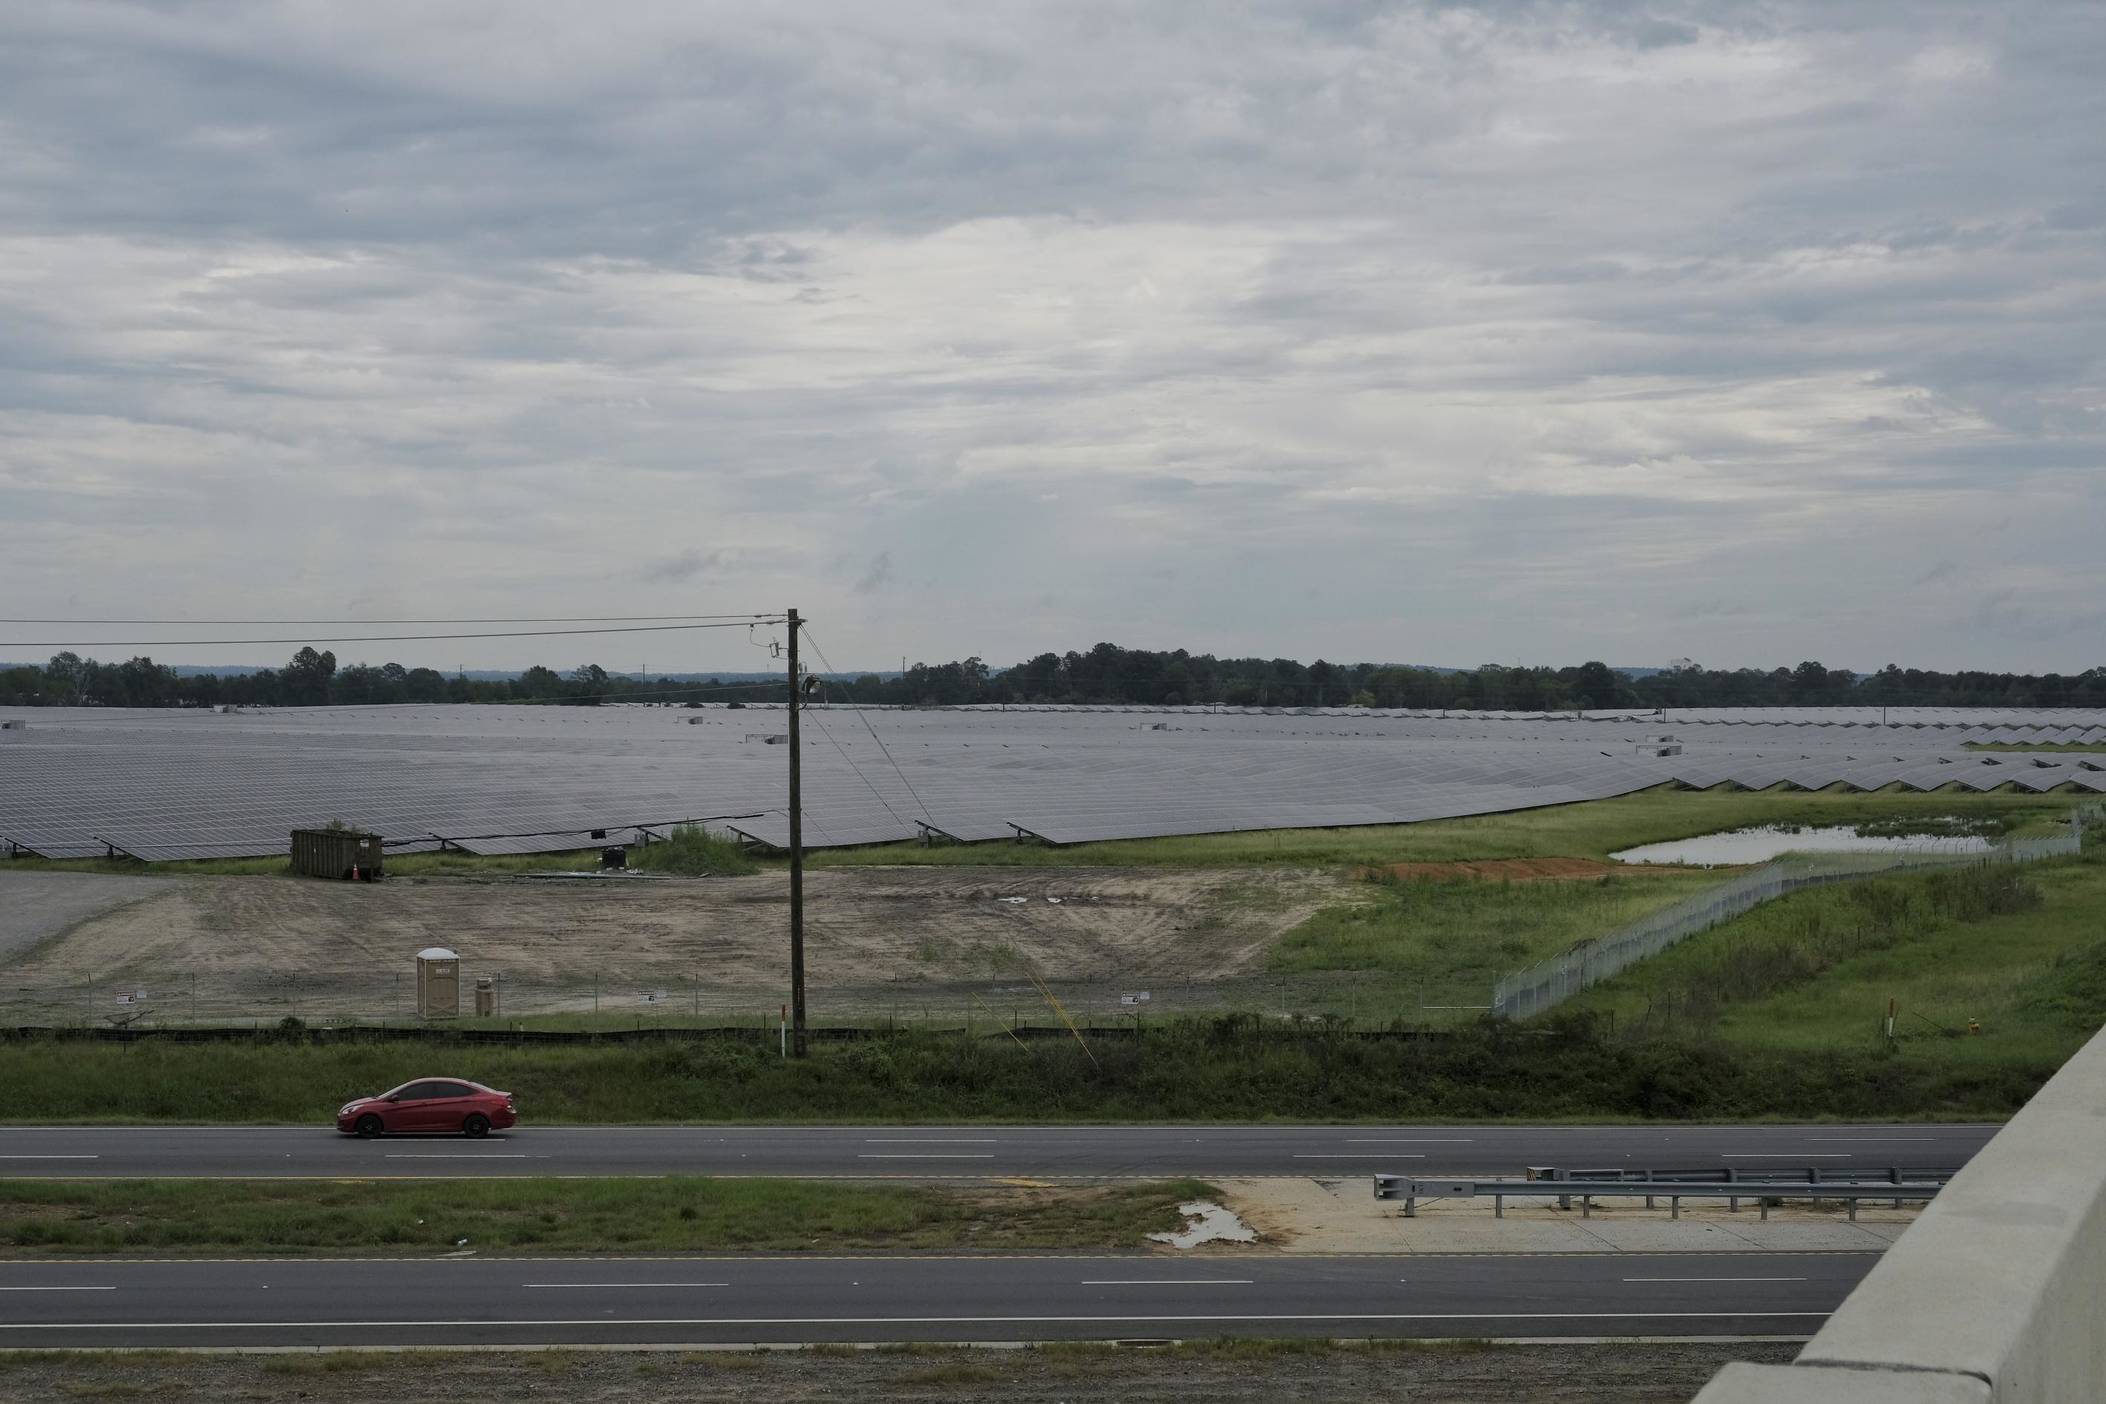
[829, 664]
[500, 619]
[376, 638]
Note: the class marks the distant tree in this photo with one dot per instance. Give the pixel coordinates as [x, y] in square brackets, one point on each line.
[305, 681]
[1597, 686]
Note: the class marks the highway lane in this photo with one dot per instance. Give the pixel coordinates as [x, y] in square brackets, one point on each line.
[931, 1152]
[731, 1300]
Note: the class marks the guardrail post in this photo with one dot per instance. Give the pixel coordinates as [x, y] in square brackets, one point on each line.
[1674, 1202]
[1498, 1206]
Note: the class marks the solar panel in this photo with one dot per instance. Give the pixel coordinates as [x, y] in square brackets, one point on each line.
[515, 779]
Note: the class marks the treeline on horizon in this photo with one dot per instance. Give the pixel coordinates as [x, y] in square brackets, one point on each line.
[1107, 674]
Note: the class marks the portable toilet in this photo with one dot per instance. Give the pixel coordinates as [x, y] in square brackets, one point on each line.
[438, 983]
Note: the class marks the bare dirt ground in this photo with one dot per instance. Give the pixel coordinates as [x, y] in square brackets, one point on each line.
[1527, 1374]
[877, 938]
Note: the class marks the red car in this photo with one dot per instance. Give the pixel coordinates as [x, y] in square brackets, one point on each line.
[430, 1104]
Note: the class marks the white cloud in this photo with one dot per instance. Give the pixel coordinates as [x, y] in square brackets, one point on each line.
[1370, 331]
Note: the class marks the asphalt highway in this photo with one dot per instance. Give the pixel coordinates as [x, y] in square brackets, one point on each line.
[735, 1300]
[976, 1152]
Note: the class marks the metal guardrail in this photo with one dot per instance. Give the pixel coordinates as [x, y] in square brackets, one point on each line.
[1771, 1175]
[1550, 982]
[1411, 1190]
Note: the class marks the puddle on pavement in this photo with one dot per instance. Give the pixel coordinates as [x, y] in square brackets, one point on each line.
[1207, 1223]
[1766, 841]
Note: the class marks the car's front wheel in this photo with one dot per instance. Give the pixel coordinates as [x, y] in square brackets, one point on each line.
[477, 1125]
[369, 1126]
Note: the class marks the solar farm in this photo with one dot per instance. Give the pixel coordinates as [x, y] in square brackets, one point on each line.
[168, 785]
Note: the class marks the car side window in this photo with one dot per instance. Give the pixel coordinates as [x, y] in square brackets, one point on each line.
[451, 1089]
[419, 1092]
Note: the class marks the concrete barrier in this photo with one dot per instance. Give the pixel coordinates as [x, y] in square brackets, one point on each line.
[1997, 1293]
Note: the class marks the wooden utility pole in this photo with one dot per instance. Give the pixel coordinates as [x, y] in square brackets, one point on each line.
[796, 856]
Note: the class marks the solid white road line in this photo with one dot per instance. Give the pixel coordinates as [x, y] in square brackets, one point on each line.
[909, 1155]
[1783, 1155]
[459, 1155]
[1349, 1155]
[928, 1140]
[1415, 1141]
[1714, 1279]
[1871, 1140]
[598, 1285]
[1170, 1282]
[50, 1157]
[57, 1289]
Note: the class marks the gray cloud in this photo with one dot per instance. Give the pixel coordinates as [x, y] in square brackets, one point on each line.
[1362, 329]
[673, 570]
[877, 574]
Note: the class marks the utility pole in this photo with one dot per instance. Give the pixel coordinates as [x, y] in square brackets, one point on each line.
[796, 856]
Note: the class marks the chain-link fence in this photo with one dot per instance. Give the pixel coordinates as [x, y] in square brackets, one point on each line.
[611, 999]
[1550, 982]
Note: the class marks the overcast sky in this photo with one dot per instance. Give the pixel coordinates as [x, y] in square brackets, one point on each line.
[1741, 332]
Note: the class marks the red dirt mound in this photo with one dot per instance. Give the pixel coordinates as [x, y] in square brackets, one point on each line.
[1508, 869]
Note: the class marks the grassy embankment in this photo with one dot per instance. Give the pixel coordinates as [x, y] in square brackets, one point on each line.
[1226, 1370]
[1591, 830]
[1198, 1070]
[2020, 950]
[671, 1214]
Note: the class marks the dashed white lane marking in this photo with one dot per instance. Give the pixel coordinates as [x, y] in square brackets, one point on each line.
[1360, 1155]
[50, 1157]
[916, 1155]
[1169, 1282]
[57, 1289]
[923, 1320]
[594, 1287]
[928, 1140]
[1714, 1279]
[1783, 1155]
[459, 1155]
[1414, 1141]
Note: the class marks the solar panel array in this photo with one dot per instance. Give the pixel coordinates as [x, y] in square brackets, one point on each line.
[519, 779]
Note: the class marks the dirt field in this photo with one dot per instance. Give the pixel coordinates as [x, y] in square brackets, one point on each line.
[877, 939]
[1533, 1374]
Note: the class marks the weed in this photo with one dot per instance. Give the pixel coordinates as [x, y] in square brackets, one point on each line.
[950, 1373]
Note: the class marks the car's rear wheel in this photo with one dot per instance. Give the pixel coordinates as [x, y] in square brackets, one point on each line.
[477, 1125]
[369, 1126]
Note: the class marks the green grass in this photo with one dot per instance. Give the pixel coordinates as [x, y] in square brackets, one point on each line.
[1432, 941]
[1591, 830]
[1227, 1069]
[694, 852]
[1815, 970]
[672, 1214]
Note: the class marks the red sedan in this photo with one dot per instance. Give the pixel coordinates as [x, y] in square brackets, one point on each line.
[433, 1104]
